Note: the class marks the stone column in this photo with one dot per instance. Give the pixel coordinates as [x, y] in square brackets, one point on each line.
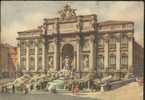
[130, 51]
[75, 60]
[78, 55]
[60, 59]
[56, 52]
[56, 55]
[106, 49]
[92, 53]
[36, 57]
[43, 57]
[18, 51]
[118, 52]
[27, 58]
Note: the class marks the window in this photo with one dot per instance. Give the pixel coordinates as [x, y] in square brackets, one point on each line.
[112, 27]
[112, 43]
[23, 51]
[31, 61]
[100, 43]
[130, 25]
[32, 44]
[124, 42]
[32, 51]
[124, 60]
[39, 51]
[124, 26]
[112, 60]
[23, 62]
[39, 63]
[22, 44]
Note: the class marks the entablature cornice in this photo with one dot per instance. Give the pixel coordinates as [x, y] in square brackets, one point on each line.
[27, 38]
[117, 31]
[69, 20]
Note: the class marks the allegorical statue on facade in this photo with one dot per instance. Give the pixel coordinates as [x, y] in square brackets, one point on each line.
[67, 12]
[86, 62]
[50, 63]
[93, 23]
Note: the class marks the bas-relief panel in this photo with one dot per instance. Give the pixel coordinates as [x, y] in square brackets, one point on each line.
[51, 47]
[51, 29]
[86, 46]
[86, 26]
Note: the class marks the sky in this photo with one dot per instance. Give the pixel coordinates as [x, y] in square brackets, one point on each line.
[23, 15]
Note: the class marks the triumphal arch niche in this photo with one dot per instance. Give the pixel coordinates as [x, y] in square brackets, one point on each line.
[70, 41]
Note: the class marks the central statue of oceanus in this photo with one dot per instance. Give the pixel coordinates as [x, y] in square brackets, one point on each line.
[67, 63]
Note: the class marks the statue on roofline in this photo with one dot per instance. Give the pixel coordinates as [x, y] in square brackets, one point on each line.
[67, 12]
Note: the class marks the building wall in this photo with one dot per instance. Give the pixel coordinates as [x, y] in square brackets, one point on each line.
[12, 61]
[8, 59]
[138, 56]
[4, 60]
[115, 48]
[105, 47]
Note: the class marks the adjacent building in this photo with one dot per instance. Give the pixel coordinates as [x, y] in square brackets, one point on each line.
[138, 60]
[79, 44]
[8, 61]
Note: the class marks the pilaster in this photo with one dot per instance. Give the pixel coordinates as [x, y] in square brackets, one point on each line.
[106, 40]
[27, 56]
[43, 57]
[92, 53]
[130, 51]
[36, 58]
[118, 51]
[78, 55]
[19, 56]
[56, 64]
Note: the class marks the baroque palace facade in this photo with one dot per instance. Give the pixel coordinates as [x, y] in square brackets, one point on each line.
[79, 44]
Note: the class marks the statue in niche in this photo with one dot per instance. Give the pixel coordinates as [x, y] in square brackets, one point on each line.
[86, 62]
[67, 63]
[50, 62]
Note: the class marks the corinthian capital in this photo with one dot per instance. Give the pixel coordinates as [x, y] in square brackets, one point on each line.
[106, 37]
[18, 44]
[92, 37]
[118, 36]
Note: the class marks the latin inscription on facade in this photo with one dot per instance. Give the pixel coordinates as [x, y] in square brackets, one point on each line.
[68, 27]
